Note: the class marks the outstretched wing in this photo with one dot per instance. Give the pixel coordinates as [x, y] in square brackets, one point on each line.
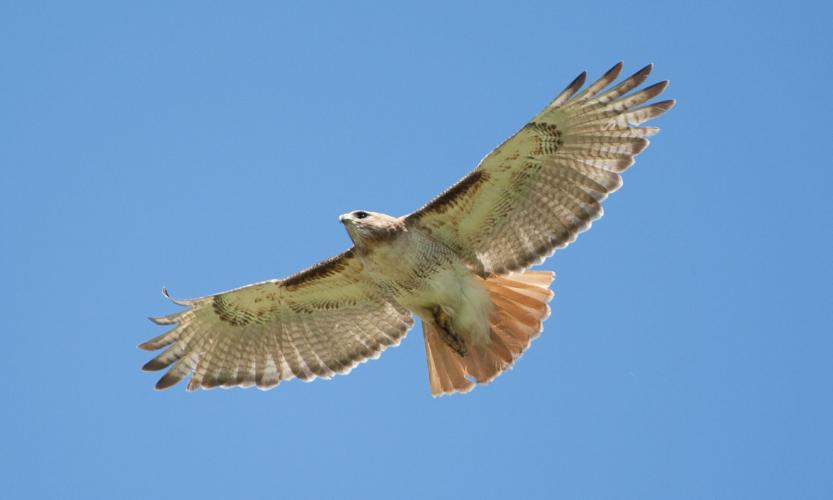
[319, 322]
[545, 184]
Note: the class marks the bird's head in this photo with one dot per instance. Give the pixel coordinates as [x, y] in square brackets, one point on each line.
[369, 227]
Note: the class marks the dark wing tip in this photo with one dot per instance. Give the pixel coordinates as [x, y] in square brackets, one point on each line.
[666, 105]
[640, 145]
[578, 81]
[169, 380]
[570, 90]
[146, 346]
[658, 87]
[154, 365]
[615, 69]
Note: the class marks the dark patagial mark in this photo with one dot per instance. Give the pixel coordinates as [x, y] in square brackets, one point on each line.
[467, 186]
[321, 270]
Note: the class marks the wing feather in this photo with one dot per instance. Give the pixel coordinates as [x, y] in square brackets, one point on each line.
[315, 324]
[544, 185]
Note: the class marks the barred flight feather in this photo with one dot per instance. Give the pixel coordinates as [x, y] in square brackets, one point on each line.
[263, 341]
[591, 137]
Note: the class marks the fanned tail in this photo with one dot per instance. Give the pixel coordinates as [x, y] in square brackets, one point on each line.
[520, 306]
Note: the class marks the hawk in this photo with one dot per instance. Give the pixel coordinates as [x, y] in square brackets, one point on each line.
[460, 263]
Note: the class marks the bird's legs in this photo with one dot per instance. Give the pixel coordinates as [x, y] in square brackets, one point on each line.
[444, 324]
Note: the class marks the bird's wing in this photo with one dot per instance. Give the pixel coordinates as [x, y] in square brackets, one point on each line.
[535, 192]
[319, 322]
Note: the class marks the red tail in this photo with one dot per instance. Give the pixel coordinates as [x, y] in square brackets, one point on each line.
[520, 306]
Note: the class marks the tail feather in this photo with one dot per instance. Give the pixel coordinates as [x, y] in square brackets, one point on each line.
[520, 306]
[536, 287]
[513, 305]
[445, 370]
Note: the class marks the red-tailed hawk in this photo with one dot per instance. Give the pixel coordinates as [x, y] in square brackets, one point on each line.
[459, 263]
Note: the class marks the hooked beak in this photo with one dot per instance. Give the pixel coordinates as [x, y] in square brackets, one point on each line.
[344, 218]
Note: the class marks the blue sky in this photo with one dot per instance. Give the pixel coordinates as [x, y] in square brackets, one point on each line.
[206, 145]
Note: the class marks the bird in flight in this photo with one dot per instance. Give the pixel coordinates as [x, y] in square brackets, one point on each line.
[460, 263]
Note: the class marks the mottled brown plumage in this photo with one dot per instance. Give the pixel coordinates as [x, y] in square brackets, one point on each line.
[459, 262]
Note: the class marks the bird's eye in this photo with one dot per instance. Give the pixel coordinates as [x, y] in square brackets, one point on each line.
[361, 215]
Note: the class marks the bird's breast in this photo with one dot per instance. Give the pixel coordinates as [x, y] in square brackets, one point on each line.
[428, 277]
[412, 265]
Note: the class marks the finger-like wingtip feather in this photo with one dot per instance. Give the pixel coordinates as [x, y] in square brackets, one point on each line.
[170, 379]
[665, 105]
[657, 88]
[145, 346]
[571, 89]
[154, 365]
[609, 77]
[613, 73]
[165, 383]
[641, 75]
